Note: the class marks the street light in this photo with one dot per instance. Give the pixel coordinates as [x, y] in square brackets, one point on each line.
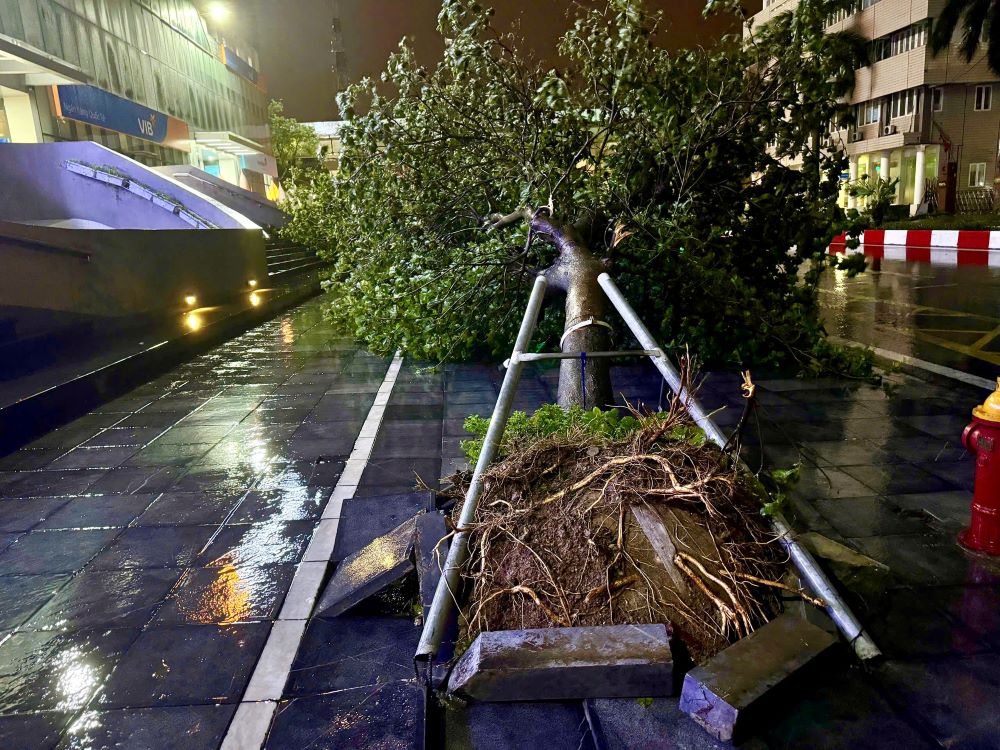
[218, 12]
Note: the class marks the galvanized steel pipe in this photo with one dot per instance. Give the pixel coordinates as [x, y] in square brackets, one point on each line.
[803, 560]
[447, 588]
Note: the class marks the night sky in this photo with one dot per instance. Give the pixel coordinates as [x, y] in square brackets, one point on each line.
[294, 38]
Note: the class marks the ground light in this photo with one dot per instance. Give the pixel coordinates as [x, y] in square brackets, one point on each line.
[193, 321]
[190, 300]
[255, 299]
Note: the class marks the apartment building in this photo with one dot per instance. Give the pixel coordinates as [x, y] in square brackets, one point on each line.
[150, 79]
[930, 121]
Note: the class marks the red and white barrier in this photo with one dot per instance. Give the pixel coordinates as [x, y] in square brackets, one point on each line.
[949, 247]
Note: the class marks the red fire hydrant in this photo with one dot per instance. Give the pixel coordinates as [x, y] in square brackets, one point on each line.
[982, 439]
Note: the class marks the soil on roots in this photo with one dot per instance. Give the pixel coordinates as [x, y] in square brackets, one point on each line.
[559, 539]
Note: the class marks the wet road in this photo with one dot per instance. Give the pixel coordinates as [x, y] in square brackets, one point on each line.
[946, 315]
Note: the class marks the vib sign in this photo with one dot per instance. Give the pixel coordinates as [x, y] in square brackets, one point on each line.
[104, 109]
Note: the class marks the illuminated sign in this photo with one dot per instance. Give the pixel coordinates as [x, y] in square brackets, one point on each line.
[98, 107]
[238, 65]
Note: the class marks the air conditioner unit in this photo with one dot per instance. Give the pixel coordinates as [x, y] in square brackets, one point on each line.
[889, 130]
[856, 136]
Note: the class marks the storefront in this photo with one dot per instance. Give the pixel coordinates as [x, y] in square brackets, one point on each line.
[236, 160]
[915, 168]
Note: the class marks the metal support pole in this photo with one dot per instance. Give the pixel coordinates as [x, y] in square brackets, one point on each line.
[803, 560]
[447, 588]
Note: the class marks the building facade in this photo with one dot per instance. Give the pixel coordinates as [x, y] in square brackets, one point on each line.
[930, 121]
[145, 78]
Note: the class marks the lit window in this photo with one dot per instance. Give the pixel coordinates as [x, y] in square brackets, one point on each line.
[984, 98]
[937, 99]
[977, 174]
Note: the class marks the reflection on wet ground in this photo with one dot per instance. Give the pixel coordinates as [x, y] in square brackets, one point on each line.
[146, 547]
[943, 314]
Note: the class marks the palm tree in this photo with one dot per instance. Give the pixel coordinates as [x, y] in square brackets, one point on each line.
[973, 17]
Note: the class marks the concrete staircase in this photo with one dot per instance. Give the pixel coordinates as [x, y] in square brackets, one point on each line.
[285, 259]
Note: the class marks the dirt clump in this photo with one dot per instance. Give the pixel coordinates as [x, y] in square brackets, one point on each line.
[577, 529]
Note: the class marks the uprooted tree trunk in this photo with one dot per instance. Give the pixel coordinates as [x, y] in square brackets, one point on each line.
[574, 274]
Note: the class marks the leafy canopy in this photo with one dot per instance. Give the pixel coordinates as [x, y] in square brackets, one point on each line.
[677, 167]
[291, 141]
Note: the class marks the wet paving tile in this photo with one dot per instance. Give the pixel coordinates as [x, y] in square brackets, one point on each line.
[23, 515]
[125, 598]
[269, 543]
[348, 651]
[122, 437]
[51, 483]
[957, 700]
[187, 509]
[169, 455]
[100, 511]
[136, 481]
[398, 474]
[841, 711]
[898, 479]
[54, 551]
[177, 666]
[958, 474]
[226, 594]
[389, 716]
[507, 726]
[841, 453]
[951, 508]
[927, 559]
[829, 483]
[868, 516]
[21, 596]
[166, 728]
[365, 518]
[298, 504]
[48, 671]
[627, 723]
[153, 547]
[39, 731]
[192, 435]
[29, 459]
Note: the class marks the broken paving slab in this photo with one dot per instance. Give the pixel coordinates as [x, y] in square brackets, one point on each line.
[369, 570]
[724, 693]
[363, 519]
[613, 661]
[430, 554]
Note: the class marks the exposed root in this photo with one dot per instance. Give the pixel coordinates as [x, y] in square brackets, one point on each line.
[555, 541]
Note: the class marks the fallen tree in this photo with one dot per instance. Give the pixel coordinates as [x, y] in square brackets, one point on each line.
[673, 170]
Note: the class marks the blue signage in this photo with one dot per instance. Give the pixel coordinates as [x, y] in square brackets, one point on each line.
[104, 109]
[239, 66]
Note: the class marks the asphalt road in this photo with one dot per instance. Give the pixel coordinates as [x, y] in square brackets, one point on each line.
[946, 315]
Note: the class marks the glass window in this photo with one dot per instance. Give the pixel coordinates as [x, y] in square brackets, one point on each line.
[984, 98]
[977, 174]
[937, 99]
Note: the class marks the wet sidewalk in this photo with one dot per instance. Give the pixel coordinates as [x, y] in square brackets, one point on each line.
[146, 549]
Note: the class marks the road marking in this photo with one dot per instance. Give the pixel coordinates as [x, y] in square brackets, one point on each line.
[923, 364]
[252, 720]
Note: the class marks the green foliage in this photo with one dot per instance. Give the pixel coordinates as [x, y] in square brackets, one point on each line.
[843, 361]
[971, 18]
[550, 420]
[291, 141]
[777, 484]
[675, 166]
[878, 195]
[948, 221]
[644, 702]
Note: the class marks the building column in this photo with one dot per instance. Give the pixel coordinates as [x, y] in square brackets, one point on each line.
[918, 180]
[883, 167]
[852, 202]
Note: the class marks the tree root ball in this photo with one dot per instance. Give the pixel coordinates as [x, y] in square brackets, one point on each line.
[576, 530]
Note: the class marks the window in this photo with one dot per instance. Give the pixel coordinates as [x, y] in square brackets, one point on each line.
[977, 174]
[902, 103]
[867, 113]
[937, 99]
[984, 98]
[899, 42]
